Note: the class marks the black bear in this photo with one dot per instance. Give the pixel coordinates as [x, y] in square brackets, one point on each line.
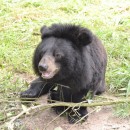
[72, 58]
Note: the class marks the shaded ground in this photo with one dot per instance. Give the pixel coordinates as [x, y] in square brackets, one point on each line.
[102, 119]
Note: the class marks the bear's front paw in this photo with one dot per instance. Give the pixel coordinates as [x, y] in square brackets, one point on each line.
[53, 96]
[28, 95]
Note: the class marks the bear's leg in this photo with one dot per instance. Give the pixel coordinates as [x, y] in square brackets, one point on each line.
[55, 96]
[37, 88]
[76, 113]
[100, 88]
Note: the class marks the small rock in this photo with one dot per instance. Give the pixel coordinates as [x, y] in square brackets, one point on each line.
[58, 128]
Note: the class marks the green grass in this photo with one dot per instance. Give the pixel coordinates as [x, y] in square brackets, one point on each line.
[19, 19]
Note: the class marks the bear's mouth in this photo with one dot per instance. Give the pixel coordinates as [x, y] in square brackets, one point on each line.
[49, 74]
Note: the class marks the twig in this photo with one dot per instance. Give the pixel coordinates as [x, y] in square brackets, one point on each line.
[11, 109]
[13, 101]
[55, 118]
[82, 118]
[68, 104]
[10, 124]
[8, 116]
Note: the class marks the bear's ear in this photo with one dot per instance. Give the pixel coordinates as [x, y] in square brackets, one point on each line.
[85, 37]
[44, 29]
[45, 32]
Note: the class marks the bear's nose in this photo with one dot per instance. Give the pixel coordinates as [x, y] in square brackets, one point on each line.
[43, 67]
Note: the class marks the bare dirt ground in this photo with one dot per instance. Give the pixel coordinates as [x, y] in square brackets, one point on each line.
[103, 119]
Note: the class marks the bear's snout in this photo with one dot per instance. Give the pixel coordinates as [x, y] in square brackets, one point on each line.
[42, 67]
[47, 67]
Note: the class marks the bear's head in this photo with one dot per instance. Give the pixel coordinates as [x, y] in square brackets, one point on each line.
[59, 54]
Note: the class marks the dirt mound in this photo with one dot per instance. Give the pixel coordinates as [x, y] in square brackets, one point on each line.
[100, 118]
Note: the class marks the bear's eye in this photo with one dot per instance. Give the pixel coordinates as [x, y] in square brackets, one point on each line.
[58, 56]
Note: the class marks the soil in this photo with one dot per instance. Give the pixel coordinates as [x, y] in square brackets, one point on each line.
[101, 119]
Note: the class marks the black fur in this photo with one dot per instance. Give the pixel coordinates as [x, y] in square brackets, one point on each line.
[82, 65]
[78, 35]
